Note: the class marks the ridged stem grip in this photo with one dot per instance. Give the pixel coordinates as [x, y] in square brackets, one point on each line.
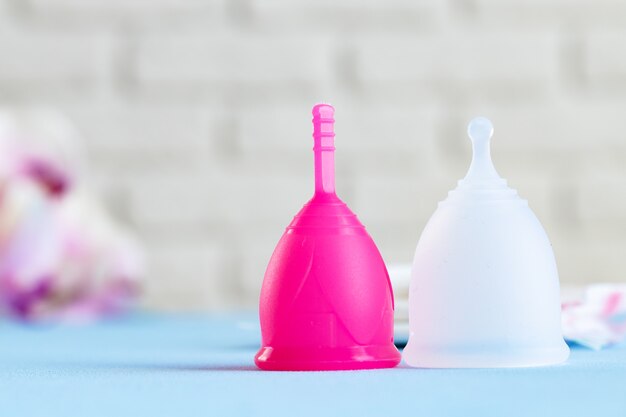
[324, 148]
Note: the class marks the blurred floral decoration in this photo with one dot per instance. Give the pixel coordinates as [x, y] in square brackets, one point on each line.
[596, 319]
[62, 257]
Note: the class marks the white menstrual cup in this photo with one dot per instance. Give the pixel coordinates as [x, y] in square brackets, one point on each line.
[484, 285]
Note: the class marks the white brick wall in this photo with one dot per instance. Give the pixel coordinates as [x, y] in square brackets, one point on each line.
[47, 59]
[196, 116]
[604, 56]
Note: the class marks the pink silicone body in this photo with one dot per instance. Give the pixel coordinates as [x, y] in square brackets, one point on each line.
[326, 301]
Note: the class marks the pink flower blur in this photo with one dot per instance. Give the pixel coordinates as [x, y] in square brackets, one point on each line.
[61, 256]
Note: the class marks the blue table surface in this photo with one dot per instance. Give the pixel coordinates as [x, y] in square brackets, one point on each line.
[202, 365]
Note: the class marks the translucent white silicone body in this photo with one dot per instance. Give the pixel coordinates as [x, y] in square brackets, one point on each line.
[484, 284]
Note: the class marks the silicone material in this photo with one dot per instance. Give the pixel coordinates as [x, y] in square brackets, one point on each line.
[484, 285]
[326, 301]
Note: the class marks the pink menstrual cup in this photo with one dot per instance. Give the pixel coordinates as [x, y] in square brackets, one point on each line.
[326, 301]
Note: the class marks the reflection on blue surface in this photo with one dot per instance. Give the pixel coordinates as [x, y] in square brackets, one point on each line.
[193, 365]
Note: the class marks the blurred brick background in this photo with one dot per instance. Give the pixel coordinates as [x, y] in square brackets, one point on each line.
[196, 117]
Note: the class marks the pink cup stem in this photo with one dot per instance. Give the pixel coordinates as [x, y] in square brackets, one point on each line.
[324, 149]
